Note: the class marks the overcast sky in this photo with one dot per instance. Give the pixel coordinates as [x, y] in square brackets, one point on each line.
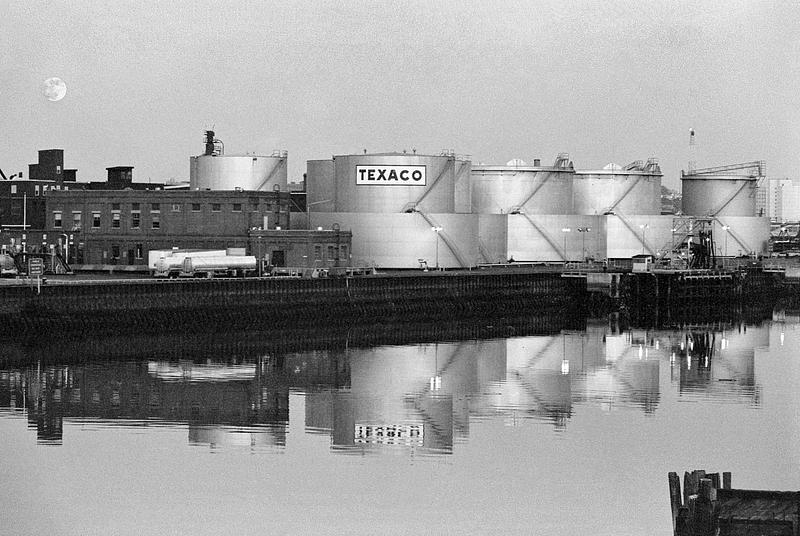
[603, 80]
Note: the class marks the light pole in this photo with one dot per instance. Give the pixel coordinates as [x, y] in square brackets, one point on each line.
[725, 228]
[583, 230]
[643, 227]
[565, 230]
[437, 230]
[65, 247]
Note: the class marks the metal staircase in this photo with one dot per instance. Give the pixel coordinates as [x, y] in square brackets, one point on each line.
[445, 239]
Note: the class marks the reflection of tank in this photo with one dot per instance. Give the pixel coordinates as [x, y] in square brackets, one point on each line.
[214, 436]
[718, 364]
[365, 421]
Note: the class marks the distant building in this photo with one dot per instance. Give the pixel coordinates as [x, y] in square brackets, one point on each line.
[50, 167]
[783, 200]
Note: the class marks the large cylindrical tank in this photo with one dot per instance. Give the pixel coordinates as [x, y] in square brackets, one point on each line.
[387, 182]
[528, 189]
[245, 172]
[320, 185]
[718, 195]
[634, 190]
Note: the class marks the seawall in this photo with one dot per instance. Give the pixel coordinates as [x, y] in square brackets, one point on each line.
[164, 305]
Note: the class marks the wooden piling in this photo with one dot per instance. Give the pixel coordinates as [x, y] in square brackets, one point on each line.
[710, 510]
[675, 498]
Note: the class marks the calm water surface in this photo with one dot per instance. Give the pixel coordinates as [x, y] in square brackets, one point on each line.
[568, 433]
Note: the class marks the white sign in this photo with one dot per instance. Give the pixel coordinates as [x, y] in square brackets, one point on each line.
[385, 175]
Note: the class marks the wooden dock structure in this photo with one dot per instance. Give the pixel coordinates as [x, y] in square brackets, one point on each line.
[707, 509]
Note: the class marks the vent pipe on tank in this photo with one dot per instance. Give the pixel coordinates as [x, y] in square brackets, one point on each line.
[214, 147]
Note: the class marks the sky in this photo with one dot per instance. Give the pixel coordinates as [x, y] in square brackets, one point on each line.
[605, 81]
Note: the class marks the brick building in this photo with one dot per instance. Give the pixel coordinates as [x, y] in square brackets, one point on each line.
[113, 227]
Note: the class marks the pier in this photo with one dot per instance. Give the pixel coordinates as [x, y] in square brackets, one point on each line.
[707, 508]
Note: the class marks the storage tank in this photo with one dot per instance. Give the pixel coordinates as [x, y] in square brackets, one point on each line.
[633, 189]
[320, 190]
[519, 187]
[231, 172]
[387, 182]
[719, 195]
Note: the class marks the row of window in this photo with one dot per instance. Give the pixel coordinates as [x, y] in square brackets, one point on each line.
[116, 218]
[198, 207]
[39, 188]
[331, 252]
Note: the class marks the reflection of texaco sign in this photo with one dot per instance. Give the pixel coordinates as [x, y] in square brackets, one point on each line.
[389, 434]
[54, 89]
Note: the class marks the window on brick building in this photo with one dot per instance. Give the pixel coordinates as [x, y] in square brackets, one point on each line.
[57, 219]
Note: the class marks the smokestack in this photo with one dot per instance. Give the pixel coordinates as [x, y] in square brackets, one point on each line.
[209, 142]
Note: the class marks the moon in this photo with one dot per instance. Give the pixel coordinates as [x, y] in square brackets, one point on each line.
[54, 89]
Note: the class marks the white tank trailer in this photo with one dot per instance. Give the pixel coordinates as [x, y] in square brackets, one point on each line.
[226, 265]
[191, 263]
[215, 170]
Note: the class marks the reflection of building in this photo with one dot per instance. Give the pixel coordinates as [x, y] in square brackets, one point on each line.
[143, 393]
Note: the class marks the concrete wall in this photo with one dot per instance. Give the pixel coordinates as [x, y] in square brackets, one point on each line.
[745, 235]
[400, 240]
[493, 238]
[541, 238]
[626, 237]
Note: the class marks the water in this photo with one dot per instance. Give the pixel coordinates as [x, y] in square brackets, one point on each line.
[564, 433]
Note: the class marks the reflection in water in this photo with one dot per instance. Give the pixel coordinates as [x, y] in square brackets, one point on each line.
[419, 397]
